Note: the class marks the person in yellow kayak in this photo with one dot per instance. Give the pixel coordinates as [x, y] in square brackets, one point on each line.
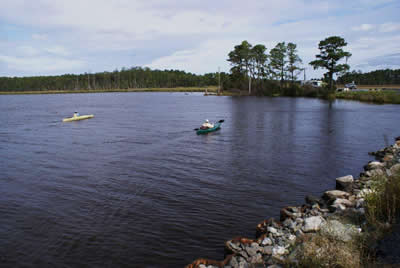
[76, 114]
[206, 125]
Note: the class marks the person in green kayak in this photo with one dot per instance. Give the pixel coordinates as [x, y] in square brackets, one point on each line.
[206, 125]
[76, 114]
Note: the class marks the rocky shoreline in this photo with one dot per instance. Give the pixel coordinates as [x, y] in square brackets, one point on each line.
[277, 242]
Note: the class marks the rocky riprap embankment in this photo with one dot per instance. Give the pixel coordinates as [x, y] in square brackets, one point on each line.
[275, 242]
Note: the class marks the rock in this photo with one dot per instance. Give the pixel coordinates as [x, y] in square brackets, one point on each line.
[279, 251]
[313, 224]
[289, 212]
[343, 232]
[374, 173]
[232, 246]
[299, 233]
[267, 250]
[288, 222]
[360, 203]
[266, 241]
[334, 194]
[374, 165]
[364, 192]
[292, 239]
[233, 262]
[394, 169]
[272, 230]
[388, 157]
[344, 183]
[345, 202]
[253, 249]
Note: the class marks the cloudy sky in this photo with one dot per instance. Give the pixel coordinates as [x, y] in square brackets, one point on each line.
[47, 37]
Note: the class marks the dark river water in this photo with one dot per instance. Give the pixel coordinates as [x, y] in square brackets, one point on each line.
[136, 187]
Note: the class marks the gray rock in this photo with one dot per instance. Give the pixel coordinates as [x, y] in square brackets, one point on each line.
[334, 194]
[313, 224]
[288, 222]
[345, 183]
[345, 202]
[266, 241]
[279, 251]
[395, 168]
[299, 233]
[272, 230]
[374, 173]
[233, 262]
[374, 165]
[233, 246]
[267, 250]
[253, 249]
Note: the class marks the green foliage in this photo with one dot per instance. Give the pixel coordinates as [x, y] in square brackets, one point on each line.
[278, 57]
[293, 61]
[371, 96]
[331, 53]
[132, 78]
[378, 77]
[253, 67]
[383, 204]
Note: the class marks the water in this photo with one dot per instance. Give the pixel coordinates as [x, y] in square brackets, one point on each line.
[135, 186]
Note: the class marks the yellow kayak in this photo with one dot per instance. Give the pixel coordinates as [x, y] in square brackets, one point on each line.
[76, 118]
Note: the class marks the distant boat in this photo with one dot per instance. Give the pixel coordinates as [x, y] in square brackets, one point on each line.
[77, 118]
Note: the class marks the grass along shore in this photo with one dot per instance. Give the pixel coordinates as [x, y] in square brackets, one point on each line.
[390, 97]
[210, 89]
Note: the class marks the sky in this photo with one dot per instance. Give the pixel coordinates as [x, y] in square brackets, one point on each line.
[52, 37]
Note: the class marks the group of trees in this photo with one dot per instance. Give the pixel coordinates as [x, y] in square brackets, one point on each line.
[135, 77]
[378, 77]
[282, 64]
[253, 63]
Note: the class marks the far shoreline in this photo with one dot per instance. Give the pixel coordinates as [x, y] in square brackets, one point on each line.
[211, 89]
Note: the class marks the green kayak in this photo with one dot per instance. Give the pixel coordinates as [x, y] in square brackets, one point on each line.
[215, 128]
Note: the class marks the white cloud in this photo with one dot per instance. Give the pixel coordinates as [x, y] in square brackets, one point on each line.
[389, 27]
[182, 34]
[27, 50]
[58, 50]
[44, 64]
[39, 36]
[207, 57]
[364, 27]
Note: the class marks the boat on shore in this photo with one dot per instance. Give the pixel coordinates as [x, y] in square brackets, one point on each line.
[77, 118]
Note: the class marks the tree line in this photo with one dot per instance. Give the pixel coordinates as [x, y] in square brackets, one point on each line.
[135, 77]
[378, 77]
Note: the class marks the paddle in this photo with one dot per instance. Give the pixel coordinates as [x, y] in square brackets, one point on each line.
[220, 121]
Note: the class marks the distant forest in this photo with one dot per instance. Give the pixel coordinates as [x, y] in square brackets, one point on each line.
[136, 77]
[378, 77]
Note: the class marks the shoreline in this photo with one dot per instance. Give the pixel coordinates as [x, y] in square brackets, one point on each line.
[325, 231]
[211, 89]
